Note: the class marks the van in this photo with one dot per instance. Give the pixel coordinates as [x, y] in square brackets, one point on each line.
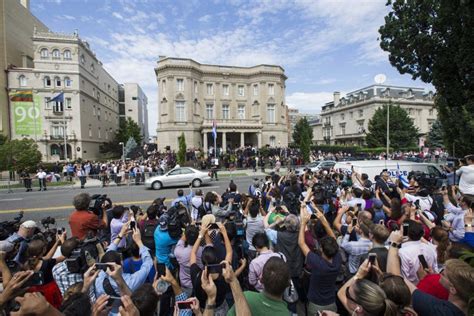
[374, 167]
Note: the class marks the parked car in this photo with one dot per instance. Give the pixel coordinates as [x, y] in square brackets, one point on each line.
[181, 176]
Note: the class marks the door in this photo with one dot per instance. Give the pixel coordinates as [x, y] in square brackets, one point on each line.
[173, 177]
[187, 175]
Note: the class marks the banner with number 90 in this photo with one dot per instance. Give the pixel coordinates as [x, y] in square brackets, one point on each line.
[27, 117]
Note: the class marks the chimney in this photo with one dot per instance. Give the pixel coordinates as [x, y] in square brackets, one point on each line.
[337, 96]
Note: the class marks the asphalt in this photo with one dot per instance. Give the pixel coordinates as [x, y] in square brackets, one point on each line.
[57, 202]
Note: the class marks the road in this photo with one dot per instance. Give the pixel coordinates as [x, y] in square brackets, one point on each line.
[57, 202]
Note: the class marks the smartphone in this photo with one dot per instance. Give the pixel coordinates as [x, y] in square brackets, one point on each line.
[423, 261]
[381, 222]
[133, 224]
[372, 257]
[101, 266]
[417, 204]
[354, 221]
[214, 268]
[405, 229]
[36, 279]
[308, 202]
[184, 305]
[214, 226]
[161, 267]
[359, 207]
[113, 299]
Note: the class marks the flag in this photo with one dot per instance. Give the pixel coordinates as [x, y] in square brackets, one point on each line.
[59, 98]
[21, 96]
[214, 129]
[402, 179]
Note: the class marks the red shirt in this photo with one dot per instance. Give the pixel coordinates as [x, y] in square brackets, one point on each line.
[430, 285]
[82, 222]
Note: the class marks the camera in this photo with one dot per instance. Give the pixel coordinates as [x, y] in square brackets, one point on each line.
[97, 200]
[48, 221]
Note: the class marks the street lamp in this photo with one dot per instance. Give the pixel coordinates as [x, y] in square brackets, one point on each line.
[123, 150]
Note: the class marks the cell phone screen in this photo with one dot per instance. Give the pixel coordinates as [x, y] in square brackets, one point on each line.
[354, 221]
[133, 225]
[184, 305]
[214, 268]
[405, 230]
[161, 269]
[423, 261]
[101, 266]
[372, 257]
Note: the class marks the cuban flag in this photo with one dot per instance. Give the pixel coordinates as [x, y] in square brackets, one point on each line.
[58, 99]
[402, 178]
[214, 129]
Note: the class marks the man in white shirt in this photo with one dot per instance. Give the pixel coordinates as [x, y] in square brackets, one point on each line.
[466, 174]
[412, 249]
[41, 175]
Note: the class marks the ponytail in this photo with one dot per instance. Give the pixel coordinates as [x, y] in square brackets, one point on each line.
[391, 309]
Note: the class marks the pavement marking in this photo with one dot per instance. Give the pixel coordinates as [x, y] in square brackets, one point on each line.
[16, 199]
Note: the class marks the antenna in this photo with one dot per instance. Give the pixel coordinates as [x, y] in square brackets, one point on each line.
[380, 78]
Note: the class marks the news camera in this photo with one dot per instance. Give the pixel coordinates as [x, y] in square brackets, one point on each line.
[97, 202]
[84, 256]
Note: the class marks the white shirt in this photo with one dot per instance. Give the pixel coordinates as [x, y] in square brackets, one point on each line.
[354, 201]
[409, 258]
[41, 175]
[425, 202]
[466, 182]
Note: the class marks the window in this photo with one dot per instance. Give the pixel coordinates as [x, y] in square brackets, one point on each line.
[57, 131]
[92, 67]
[180, 84]
[58, 107]
[430, 111]
[106, 134]
[271, 89]
[47, 104]
[99, 134]
[67, 54]
[351, 114]
[271, 113]
[342, 116]
[255, 89]
[225, 112]
[241, 111]
[56, 54]
[98, 113]
[57, 81]
[343, 129]
[163, 86]
[83, 59]
[209, 111]
[225, 89]
[196, 87]
[68, 102]
[93, 110]
[134, 98]
[47, 81]
[241, 90]
[361, 113]
[67, 82]
[44, 53]
[22, 80]
[180, 111]
[272, 141]
[210, 89]
[90, 131]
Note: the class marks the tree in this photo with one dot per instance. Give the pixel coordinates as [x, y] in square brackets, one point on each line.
[129, 128]
[18, 154]
[435, 136]
[303, 137]
[434, 40]
[181, 157]
[403, 133]
[130, 146]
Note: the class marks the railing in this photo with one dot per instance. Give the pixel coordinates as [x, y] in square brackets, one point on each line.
[232, 123]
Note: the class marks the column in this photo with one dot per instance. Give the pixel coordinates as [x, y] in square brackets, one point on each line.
[242, 139]
[224, 142]
[259, 140]
[205, 148]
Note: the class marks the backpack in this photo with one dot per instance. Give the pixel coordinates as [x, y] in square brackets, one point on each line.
[148, 234]
[201, 209]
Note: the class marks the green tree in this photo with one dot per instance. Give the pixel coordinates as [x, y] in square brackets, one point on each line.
[18, 154]
[129, 128]
[303, 137]
[434, 40]
[435, 136]
[181, 156]
[403, 133]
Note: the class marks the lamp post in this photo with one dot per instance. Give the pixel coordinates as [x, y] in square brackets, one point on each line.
[123, 150]
[388, 127]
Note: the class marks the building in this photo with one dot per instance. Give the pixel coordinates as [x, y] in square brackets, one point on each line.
[16, 47]
[246, 103]
[133, 104]
[64, 65]
[344, 121]
[294, 116]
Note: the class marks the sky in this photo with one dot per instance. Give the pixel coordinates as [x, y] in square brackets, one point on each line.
[323, 45]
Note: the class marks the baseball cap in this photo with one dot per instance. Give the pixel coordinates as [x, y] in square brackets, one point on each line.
[29, 224]
[163, 222]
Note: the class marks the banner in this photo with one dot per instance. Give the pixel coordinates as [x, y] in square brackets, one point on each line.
[26, 112]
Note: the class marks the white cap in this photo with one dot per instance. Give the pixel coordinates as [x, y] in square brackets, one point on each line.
[29, 224]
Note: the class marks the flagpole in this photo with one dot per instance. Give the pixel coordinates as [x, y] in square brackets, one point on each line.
[215, 145]
[65, 139]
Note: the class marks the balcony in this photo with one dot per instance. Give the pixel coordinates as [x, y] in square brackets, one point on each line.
[233, 124]
[60, 137]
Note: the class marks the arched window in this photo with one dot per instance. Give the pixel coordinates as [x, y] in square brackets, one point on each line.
[22, 80]
[67, 54]
[47, 81]
[92, 68]
[55, 150]
[57, 81]
[44, 53]
[272, 141]
[83, 59]
[56, 54]
[67, 82]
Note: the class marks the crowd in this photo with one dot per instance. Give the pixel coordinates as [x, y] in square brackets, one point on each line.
[322, 243]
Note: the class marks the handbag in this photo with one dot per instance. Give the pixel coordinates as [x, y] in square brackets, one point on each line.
[290, 295]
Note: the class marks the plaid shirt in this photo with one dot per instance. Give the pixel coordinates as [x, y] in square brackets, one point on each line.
[355, 249]
[64, 279]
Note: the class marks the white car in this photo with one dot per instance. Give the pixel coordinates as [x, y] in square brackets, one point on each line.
[181, 176]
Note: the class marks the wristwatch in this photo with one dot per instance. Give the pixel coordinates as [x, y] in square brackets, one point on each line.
[468, 225]
[395, 245]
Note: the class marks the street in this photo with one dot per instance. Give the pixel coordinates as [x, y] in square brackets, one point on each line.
[57, 202]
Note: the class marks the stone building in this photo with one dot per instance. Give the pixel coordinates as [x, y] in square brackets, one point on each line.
[64, 64]
[344, 121]
[133, 103]
[246, 103]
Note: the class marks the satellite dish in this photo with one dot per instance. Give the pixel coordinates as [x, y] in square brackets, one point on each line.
[380, 78]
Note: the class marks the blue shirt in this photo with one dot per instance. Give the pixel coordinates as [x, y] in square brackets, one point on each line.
[163, 245]
[131, 266]
[186, 200]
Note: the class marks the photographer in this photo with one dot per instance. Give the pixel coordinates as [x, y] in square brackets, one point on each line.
[20, 239]
[83, 221]
[61, 274]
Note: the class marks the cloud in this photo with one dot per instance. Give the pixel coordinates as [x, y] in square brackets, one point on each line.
[67, 17]
[205, 18]
[308, 102]
[117, 15]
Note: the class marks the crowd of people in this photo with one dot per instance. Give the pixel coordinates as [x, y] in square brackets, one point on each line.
[323, 243]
